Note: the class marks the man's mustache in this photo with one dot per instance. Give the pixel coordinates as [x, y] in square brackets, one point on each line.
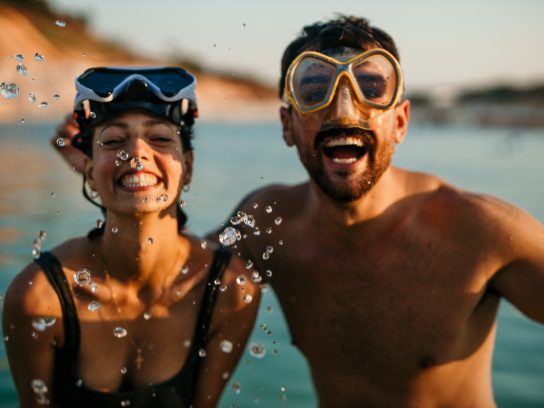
[334, 131]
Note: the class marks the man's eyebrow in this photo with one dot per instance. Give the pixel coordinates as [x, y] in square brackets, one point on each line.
[121, 125]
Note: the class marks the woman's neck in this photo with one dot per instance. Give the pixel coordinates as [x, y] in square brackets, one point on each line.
[143, 250]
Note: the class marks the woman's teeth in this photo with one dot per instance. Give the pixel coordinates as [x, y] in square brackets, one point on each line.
[138, 180]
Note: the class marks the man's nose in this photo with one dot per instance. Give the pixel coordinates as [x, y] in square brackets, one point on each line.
[343, 103]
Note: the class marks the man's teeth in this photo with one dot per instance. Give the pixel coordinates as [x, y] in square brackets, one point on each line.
[138, 180]
[344, 141]
[344, 161]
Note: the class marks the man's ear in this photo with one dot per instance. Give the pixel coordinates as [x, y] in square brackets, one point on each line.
[188, 167]
[285, 117]
[402, 116]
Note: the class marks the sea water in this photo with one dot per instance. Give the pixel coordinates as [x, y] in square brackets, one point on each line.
[40, 192]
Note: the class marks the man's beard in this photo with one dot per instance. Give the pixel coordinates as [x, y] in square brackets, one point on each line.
[378, 160]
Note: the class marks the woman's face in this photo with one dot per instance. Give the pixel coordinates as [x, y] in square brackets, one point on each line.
[138, 164]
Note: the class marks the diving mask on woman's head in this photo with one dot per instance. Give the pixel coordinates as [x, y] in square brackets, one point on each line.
[374, 75]
[102, 93]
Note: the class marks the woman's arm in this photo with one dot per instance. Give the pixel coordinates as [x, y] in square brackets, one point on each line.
[30, 335]
[232, 323]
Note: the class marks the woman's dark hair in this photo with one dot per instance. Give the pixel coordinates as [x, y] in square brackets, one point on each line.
[343, 31]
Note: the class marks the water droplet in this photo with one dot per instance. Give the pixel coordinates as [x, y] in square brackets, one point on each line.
[162, 198]
[79, 382]
[185, 270]
[268, 209]
[268, 273]
[247, 298]
[94, 287]
[256, 276]
[99, 223]
[117, 163]
[257, 231]
[60, 23]
[42, 235]
[21, 69]
[236, 387]
[42, 323]
[147, 315]
[38, 386]
[92, 115]
[31, 97]
[266, 255]
[82, 277]
[123, 370]
[235, 219]
[35, 252]
[229, 236]
[278, 220]
[43, 105]
[125, 403]
[202, 353]
[6, 338]
[186, 343]
[135, 163]
[241, 280]
[52, 194]
[269, 230]
[226, 346]
[223, 288]
[225, 375]
[93, 306]
[249, 221]
[8, 90]
[257, 350]
[269, 309]
[60, 142]
[120, 332]
[39, 57]
[269, 249]
[122, 155]
[283, 397]
[204, 244]
[56, 97]
[22, 121]
[19, 57]
[150, 240]
[115, 230]
[182, 203]
[249, 264]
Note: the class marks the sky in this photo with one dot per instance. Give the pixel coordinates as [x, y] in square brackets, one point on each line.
[443, 44]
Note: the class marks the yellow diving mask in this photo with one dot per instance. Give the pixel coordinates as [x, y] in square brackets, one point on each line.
[374, 75]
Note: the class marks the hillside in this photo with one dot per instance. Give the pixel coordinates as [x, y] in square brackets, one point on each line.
[30, 27]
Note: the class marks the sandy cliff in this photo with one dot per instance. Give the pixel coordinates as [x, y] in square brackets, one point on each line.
[68, 50]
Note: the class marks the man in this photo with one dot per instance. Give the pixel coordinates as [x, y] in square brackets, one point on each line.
[390, 280]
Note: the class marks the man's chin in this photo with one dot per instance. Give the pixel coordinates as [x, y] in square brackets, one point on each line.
[343, 191]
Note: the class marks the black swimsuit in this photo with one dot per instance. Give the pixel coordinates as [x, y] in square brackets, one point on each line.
[69, 391]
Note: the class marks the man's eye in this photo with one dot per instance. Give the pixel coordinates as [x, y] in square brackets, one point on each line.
[160, 139]
[111, 142]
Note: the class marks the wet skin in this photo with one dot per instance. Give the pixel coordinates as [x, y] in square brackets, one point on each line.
[146, 279]
[392, 296]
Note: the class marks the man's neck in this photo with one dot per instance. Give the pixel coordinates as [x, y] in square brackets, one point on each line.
[385, 192]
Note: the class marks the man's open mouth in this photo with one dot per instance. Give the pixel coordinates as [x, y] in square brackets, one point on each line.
[344, 150]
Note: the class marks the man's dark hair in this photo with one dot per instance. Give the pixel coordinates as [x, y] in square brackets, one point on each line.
[343, 31]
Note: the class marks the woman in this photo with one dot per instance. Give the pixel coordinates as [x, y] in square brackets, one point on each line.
[138, 313]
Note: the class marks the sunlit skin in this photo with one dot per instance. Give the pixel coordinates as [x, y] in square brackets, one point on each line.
[147, 294]
[391, 288]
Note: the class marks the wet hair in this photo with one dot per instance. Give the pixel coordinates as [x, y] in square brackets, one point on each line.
[342, 31]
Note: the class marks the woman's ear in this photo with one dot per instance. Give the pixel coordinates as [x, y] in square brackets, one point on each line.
[88, 172]
[402, 116]
[285, 117]
[187, 167]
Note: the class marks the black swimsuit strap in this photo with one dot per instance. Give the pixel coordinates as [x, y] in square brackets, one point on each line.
[53, 270]
[220, 262]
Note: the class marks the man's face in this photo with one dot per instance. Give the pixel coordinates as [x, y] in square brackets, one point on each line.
[341, 155]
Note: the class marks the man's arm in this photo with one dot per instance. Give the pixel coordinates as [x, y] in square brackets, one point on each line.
[62, 143]
[521, 279]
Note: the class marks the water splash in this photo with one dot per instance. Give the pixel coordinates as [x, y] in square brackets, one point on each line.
[9, 90]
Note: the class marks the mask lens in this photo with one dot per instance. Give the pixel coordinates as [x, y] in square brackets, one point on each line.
[312, 81]
[104, 81]
[377, 79]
